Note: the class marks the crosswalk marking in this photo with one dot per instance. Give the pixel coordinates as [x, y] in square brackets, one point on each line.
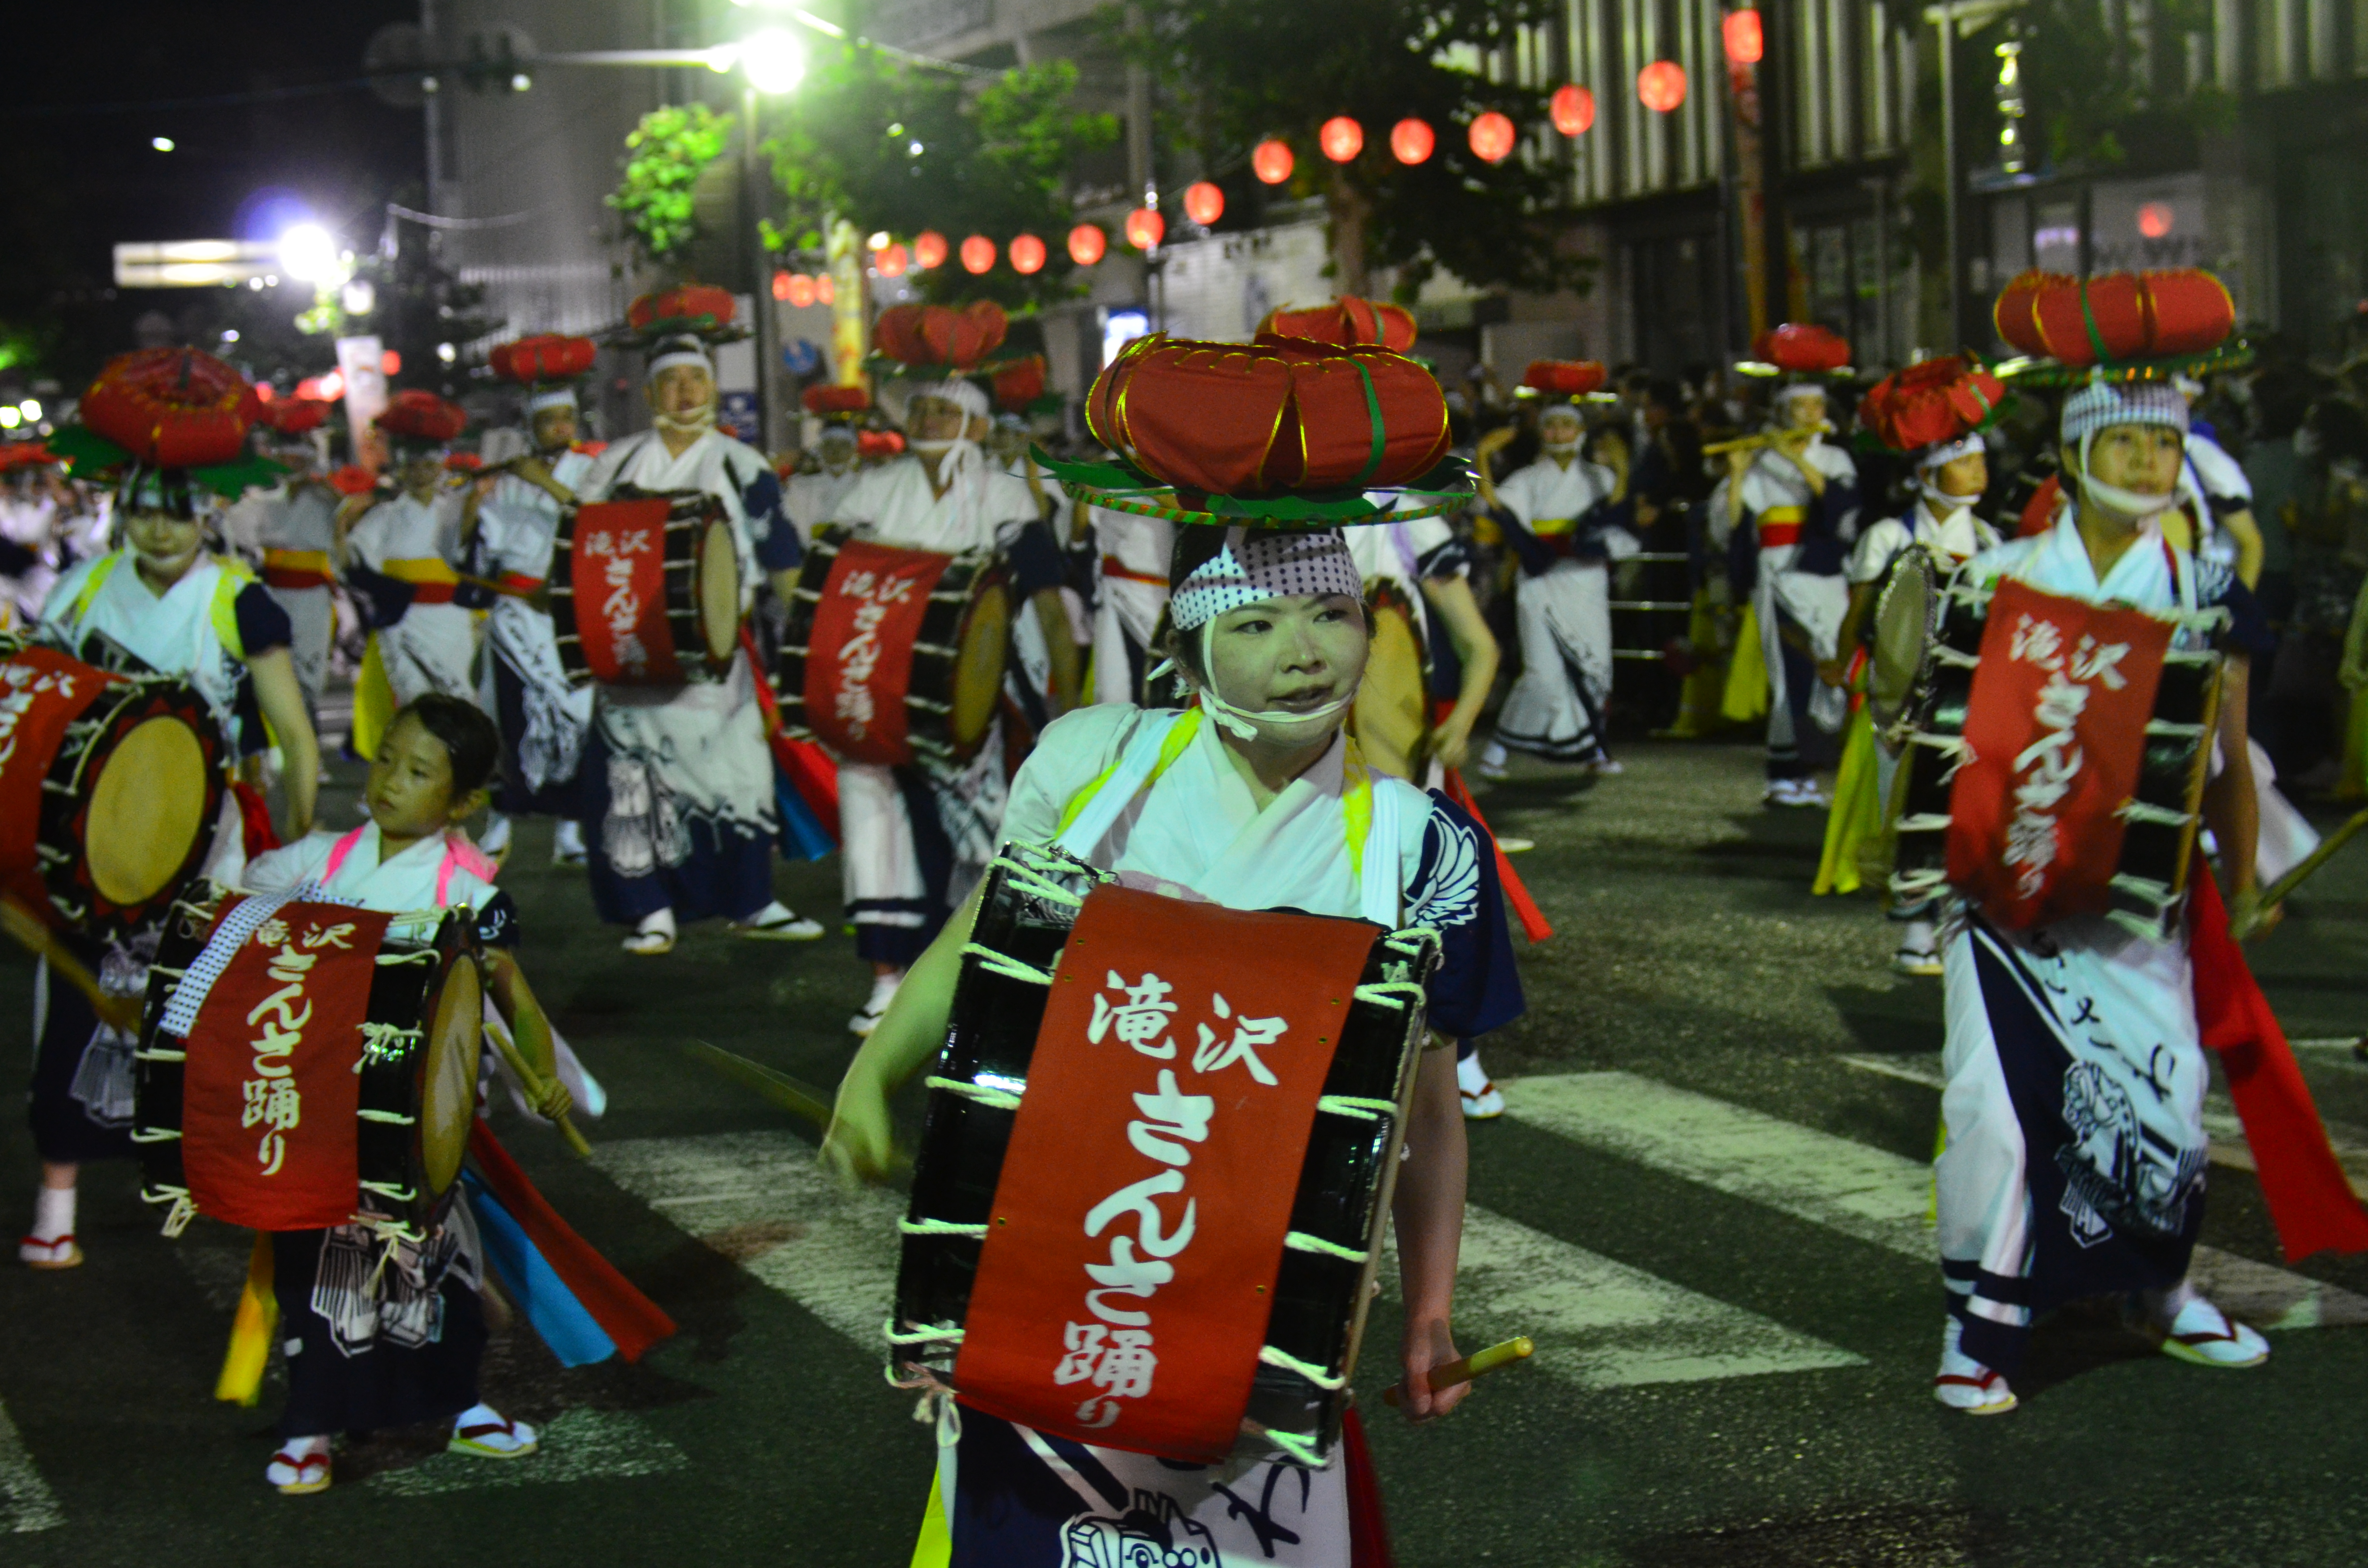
[1844, 1185]
[27, 1503]
[1601, 1324]
[583, 1444]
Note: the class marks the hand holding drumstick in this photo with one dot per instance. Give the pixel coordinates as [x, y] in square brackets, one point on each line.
[121, 1013]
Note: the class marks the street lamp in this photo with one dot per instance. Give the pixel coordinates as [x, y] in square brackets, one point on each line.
[307, 253]
[772, 61]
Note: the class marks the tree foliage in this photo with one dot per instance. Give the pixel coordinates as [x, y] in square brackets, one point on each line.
[2088, 86]
[664, 158]
[1246, 70]
[900, 149]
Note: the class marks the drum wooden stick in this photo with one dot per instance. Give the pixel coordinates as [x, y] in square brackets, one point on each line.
[799, 1099]
[1470, 1367]
[533, 1082]
[117, 1012]
[2276, 893]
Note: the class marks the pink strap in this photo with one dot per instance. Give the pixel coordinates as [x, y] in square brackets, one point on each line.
[462, 855]
[338, 853]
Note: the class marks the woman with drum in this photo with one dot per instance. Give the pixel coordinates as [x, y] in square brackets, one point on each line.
[382, 1332]
[915, 837]
[1252, 798]
[1782, 508]
[677, 787]
[164, 604]
[2076, 1151]
[1934, 410]
[508, 532]
[399, 558]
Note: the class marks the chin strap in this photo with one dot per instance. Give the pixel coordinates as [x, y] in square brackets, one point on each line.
[704, 420]
[2133, 505]
[1244, 724]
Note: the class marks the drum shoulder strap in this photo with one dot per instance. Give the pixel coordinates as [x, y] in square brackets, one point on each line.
[1370, 805]
[1150, 755]
[100, 571]
[230, 583]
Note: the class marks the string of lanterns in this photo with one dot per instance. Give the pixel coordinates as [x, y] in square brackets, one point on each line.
[1661, 87]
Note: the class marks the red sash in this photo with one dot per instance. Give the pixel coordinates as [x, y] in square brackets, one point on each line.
[268, 1096]
[859, 654]
[617, 567]
[2056, 724]
[1123, 1291]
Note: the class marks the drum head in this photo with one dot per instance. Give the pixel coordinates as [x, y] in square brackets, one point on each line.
[146, 810]
[447, 1097]
[1392, 712]
[1902, 631]
[719, 591]
[978, 673]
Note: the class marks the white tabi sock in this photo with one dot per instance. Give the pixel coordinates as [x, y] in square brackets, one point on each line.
[1470, 1077]
[884, 991]
[53, 1213]
[567, 838]
[497, 834]
[659, 923]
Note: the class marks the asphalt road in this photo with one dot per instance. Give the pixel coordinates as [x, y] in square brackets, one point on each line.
[1707, 1206]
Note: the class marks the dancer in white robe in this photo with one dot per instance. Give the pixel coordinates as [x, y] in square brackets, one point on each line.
[2076, 1149]
[1256, 809]
[1568, 523]
[677, 787]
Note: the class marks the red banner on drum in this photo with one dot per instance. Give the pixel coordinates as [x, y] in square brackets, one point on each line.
[1129, 1270]
[271, 1086]
[859, 655]
[2055, 722]
[42, 692]
[617, 566]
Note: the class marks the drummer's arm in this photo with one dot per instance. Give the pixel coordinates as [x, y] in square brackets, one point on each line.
[2232, 807]
[529, 1027]
[1475, 647]
[283, 701]
[1835, 670]
[859, 1144]
[1060, 648]
[1428, 1211]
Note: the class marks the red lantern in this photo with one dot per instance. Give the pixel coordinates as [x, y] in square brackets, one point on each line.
[940, 334]
[2115, 316]
[1271, 161]
[891, 261]
[802, 290]
[1563, 378]
[1289, 415]
[173, 407]
[928, 250]
[1572, 107]
[390, 363]
[1492, 137]
[544, 356]
[1740, 32]
[1411, 141]
[828, 398]
[420, 414]
[1204, 203]
[1145, 228]
[1346, 321]
[1661, 87]
[781, 285]
[1802, 347]
[1020, 383]
[1341, 138]
[1087, 243]
[1027, 254]
[694, 307]
[977, 254]
[826, 288]
[291, 416]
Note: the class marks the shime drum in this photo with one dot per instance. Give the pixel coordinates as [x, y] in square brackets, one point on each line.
[894, 656]
[646, 589]
[2056, 756]
[1149, 1198]
[1899, 633]
[307, 1064]
[1392, 712]
[110, 786]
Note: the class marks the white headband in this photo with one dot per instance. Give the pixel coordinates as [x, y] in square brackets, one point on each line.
[679, 351]
[555, 397]
[1249, 571]
[963, 392]
[1941, 453]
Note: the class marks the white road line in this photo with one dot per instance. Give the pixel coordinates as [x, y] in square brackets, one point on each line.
[577, 1444]
[27, 1503]
[760, 1197]
[1600, 1323]
[1852, 1187]
[2220, 1120]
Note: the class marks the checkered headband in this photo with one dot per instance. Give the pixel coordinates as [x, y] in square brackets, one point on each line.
[2099, 405]
[1253, 568]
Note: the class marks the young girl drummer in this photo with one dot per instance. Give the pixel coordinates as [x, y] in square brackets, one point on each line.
[405, 1350]
[1248, 800]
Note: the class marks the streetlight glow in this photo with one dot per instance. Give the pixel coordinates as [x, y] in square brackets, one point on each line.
[307, 253]
[773, 60]
[161, 143]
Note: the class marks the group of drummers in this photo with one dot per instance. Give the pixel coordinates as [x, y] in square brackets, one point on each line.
[1152, 699]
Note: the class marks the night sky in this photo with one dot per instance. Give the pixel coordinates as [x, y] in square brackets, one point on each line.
[75, 182]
